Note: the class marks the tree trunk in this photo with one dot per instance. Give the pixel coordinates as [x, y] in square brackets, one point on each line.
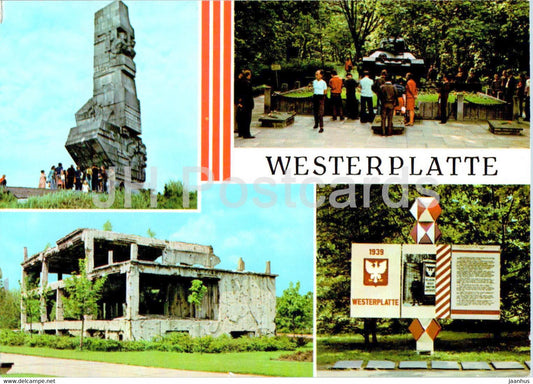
[82, 330]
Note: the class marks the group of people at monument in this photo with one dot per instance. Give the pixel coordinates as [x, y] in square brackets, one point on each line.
[507, 86]
[395, 95]
[92, 179]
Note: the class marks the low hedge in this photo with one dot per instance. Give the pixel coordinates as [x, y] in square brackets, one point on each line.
[178, 342]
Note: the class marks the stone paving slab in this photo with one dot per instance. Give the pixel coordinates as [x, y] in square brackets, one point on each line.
[413, 365]
[448, 365]
[475, 365]
[507, 365]
[348, 364]
[380, 364]
[354, 134]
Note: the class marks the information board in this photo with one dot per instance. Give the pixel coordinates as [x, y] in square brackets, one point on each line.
[475, 282]
[376, 273]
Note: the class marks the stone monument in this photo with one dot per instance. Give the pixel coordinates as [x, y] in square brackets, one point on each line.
[108, 126]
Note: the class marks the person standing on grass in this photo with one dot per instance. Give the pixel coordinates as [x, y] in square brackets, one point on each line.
[52, 177]
[335, 83]
[319, 94]
[367, 107]
[3, 181]
[42, 180]
[411, 93]
[95, 178]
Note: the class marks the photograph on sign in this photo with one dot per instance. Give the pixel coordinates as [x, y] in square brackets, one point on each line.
[418, 280]
[475, 282]
[375, 285]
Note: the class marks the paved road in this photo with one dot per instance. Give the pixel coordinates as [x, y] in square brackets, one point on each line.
[78, 368]
[354, 134]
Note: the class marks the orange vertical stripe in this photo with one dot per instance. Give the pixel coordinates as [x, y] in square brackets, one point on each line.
[216, 90]
[226, 77]
[204, 141]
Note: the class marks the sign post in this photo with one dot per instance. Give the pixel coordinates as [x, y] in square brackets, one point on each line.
[425, 281]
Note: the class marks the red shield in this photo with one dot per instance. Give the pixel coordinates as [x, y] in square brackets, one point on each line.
[376, 272]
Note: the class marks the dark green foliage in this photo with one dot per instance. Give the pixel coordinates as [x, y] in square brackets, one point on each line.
[294, 312]
[486, 36]
[171, 198]
[489, 215]
[175, 342]
[9, 306]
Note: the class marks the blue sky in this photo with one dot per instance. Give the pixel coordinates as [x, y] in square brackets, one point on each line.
[284, 235]
[46, 72]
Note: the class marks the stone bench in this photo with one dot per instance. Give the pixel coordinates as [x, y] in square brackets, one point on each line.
[502, 127]
[277, 119]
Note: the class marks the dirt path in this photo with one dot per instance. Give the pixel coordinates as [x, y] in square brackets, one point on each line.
[80, 368]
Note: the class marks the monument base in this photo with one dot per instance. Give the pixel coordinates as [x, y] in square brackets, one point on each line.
[398, 125]
[277, 119]
[107, 144]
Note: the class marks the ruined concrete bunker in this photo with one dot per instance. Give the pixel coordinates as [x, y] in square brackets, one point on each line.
[146, 289]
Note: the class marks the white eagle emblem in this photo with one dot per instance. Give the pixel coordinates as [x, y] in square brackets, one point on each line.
[430, 271]
[375, 269]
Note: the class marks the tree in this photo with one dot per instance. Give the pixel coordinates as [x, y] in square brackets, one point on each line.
[108, 227]
[31, 302]
[197, 293]
[294, 312]
[82, 295]
[9, 307]
[362, 18]
[150, 233]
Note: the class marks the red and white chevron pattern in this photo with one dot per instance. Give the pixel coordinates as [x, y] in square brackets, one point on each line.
[443, 279]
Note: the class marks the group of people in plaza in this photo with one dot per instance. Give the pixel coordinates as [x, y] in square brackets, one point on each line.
[507, 86]
[91, 179]
[394, 96]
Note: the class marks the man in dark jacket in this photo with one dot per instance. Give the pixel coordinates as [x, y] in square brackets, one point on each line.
[388, 96]
[352, 107]
[244, 102]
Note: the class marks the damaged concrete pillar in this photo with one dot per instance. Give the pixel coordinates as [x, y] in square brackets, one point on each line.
[44, 284]
[240, 265]
[267, 269]
[110, 257]
[23, 283]
[59, 305]
[134, 251]
[132, 293]
[89, 252]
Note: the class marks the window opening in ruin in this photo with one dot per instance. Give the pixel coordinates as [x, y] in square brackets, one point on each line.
[149, 253]
[167, 296]
[237, 334]
[121, 252]
[113, 300]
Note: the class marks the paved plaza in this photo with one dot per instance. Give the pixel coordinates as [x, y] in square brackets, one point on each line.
[354, 134]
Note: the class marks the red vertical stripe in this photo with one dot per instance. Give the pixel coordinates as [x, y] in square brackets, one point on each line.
[205, 89]
[216, 90]
[228, 116]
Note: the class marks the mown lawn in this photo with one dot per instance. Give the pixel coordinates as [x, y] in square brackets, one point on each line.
[457, 346]
[257, 363]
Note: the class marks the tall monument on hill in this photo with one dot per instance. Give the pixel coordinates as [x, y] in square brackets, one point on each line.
[108, 126]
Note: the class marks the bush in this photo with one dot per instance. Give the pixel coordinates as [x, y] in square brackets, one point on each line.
[173, 342]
